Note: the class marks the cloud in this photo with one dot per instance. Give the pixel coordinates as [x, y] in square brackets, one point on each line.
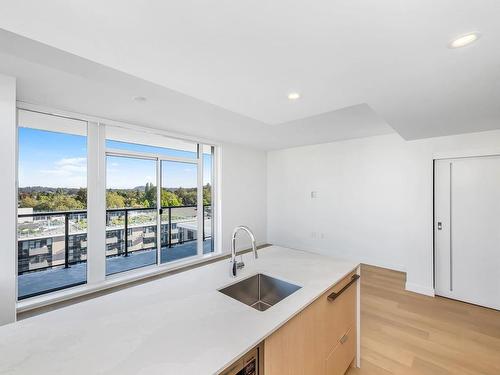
[71, 161]
[67, 172]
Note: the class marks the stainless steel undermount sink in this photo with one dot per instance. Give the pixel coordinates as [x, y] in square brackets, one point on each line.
[260, 291]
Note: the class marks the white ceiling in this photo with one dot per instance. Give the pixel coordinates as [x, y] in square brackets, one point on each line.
[245, 56]
[59, 80]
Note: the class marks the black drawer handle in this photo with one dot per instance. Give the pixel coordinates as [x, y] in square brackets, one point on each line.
[334, 295]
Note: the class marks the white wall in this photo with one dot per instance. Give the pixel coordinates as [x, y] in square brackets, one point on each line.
[244, 192]
[374, 201]
[8, 155]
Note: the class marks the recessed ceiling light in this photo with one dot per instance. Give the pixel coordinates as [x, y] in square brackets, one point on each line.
[140, 98]
[464, 40]
[293, 96]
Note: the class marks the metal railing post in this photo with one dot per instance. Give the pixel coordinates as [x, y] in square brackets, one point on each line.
[66, 240]
[169, 226]
[203, 222]
[126, 232]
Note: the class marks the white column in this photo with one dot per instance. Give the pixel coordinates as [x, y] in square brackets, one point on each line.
[96, 203]
[8, 200]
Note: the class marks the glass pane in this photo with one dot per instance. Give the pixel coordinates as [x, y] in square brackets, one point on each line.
[163, 151]
[138, 141]
[131, 213]
[208, 222]
[179, 224]
[52, 202]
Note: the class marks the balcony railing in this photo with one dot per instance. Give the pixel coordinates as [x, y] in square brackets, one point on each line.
[59, 239]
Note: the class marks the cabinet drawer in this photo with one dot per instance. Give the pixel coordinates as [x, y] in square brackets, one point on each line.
[342, 355]
[340, 313]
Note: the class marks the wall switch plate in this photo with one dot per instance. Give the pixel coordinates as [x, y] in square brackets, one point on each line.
[314, 194]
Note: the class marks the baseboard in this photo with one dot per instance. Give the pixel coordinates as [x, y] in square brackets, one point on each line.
[387, 266]
[416, 288]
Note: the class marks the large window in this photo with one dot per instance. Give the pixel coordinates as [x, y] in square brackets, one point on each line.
[52, 220]
[158, 193]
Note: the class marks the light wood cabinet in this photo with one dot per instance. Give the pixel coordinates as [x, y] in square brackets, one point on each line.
[295, 348]
[341, 357]
[321, 339]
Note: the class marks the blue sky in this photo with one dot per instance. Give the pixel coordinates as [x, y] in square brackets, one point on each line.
[59, 160]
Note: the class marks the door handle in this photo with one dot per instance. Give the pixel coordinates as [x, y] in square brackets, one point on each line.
[440, 225]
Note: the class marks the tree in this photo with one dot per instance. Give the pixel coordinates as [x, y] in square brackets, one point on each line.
[114, 200]
[58, 201]
[207, 195]
[188, 197]
[149, 195]
[169, 199]
[73, 199]
[81, 196]
[27, 202]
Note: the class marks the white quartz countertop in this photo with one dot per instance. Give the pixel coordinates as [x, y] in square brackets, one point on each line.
[176, 325]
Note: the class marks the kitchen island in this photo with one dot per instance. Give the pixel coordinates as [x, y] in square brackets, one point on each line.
[179, 324]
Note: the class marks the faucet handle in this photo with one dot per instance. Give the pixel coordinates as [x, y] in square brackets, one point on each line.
[235, 265]
[233, 268]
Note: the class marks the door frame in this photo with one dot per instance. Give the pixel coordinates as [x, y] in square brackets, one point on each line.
[198, 161]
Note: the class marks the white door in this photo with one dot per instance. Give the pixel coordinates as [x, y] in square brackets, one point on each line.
[467, 229]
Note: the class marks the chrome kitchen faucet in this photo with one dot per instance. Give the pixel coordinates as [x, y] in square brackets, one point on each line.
[235, 265]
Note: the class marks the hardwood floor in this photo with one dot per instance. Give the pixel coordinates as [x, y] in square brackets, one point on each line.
[405, 333]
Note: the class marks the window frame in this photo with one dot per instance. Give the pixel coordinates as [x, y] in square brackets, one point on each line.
[159, 159]
[96, 181]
